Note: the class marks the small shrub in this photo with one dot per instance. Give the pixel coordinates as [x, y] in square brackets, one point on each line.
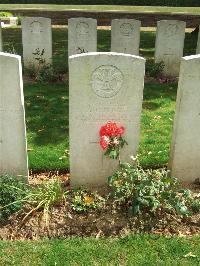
[150, 191]
[12, 192]
[83, 201]
[5, 14]
[41, 71]
[195, 205]
[42, 74]
[19, 20]
[45, 196]
[153, 69]
[10, 49]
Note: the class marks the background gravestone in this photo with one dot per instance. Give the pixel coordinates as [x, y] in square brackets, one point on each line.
[1, 42]
[198, 44]
[82, 35]
[185, 148]
[103, 87]
[13, 151]
[37, 40]
[169, 46]
[125, 36]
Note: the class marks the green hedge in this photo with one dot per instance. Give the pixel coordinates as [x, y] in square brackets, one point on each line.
[108, 2]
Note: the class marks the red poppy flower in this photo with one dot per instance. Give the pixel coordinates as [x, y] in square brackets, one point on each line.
[110, 129]
[104, 142]
[120, 131]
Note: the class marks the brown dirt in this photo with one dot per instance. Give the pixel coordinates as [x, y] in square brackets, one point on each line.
[109, 221]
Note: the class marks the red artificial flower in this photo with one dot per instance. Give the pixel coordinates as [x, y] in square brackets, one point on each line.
[120, 131]
[104, 142]
[115, 141]
[110, 129]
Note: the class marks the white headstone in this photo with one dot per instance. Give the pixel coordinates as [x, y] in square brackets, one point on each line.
[125, 36]
[37, 40]
[169, 45]
[198, 43]
[103, 87]
[13, 151]
[1, 42]
[185, 148]
[82, 35]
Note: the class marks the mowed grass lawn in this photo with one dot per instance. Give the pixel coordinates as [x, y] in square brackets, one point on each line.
[53, 7]
[47, 106]
[133, 250]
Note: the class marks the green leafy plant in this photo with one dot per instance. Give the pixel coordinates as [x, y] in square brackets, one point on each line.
[195, 205]
[10, 49]
[150, 190]
[5, 14]
[153, 69]
[83, 201]
[12, 192]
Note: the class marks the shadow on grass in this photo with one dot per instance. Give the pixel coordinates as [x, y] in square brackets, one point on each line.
[47, 112]
[154, 91]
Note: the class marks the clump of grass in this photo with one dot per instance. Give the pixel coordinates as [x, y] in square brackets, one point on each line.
[12, 192]
[45, 196]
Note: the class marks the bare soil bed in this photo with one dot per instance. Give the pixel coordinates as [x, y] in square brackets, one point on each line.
[108, 221]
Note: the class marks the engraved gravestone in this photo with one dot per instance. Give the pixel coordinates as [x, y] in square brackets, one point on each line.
[169, 46]
[185, 147]
[13, 152]
[37, 40]
[103, 87]
[125, 36]
[82, 35]
[1, 42]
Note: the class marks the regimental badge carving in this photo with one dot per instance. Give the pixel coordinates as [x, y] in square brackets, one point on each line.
[171, 30]
[36, 27]
[82, 28]
[107, 81]
[126, 29]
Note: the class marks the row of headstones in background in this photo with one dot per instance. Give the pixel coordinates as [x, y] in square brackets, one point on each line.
[82, 36]
[109, 87]
[125, 38]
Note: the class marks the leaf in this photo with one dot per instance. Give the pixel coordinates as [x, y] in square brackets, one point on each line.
[190, 255]
[113, 154]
